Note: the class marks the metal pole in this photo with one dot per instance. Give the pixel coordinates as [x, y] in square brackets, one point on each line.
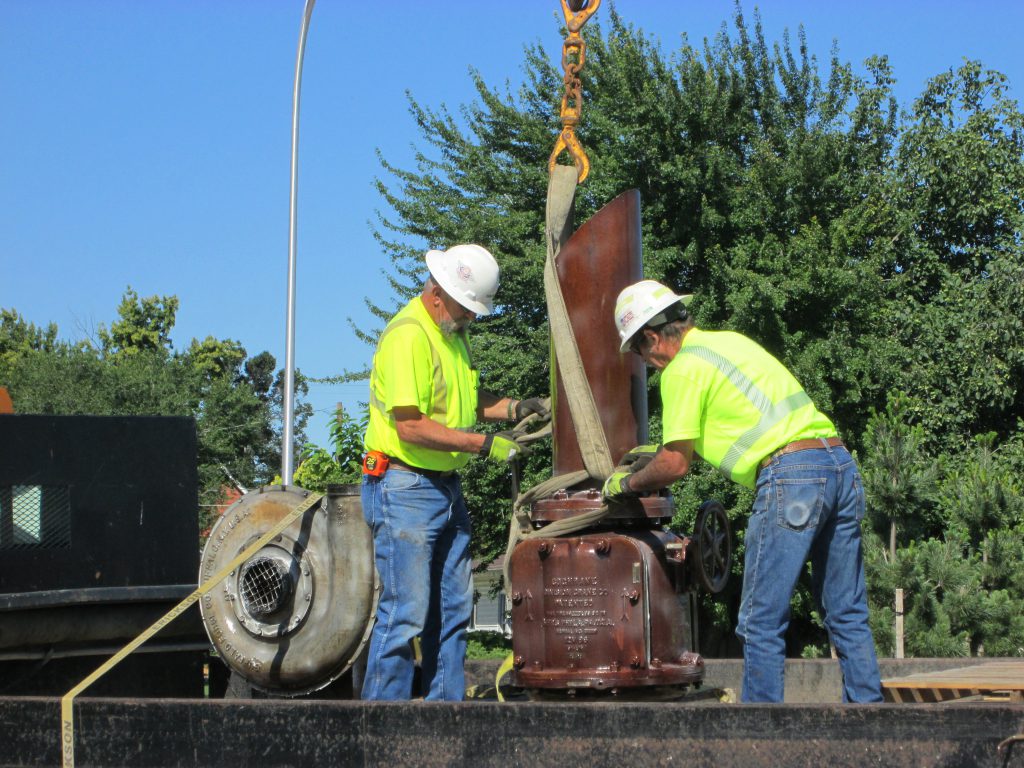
[287, 457]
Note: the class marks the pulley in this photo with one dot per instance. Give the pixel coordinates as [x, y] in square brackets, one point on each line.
[712, 541]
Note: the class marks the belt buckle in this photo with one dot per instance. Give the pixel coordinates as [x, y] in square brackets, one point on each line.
[769, 458]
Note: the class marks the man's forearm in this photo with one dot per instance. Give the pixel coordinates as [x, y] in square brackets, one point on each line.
[665, 468]
[427, 433]
[491, 407]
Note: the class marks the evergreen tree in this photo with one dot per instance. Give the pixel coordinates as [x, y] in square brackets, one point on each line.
[899, 478]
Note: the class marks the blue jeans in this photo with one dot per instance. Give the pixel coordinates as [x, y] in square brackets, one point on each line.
[421, 533]
[809, 505]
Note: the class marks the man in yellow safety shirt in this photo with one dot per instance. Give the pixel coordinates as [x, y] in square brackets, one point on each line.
[424, 401]
[729, 401]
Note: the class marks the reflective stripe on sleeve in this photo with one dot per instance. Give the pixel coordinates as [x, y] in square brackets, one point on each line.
[771, 413]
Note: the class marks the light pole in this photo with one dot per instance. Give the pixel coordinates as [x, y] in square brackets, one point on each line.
[288, 438]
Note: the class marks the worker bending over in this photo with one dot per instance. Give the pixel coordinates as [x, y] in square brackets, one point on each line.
[424, 401]
[728, 400]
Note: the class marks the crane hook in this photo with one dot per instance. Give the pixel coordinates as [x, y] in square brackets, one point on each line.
[577, 13]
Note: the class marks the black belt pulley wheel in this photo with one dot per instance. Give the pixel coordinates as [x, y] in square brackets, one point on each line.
[713, 540]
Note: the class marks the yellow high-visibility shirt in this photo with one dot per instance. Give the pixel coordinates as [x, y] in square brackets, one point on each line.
[417, 365]
[736, 402]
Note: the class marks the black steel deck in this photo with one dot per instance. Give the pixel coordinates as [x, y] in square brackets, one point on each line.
[165, 732]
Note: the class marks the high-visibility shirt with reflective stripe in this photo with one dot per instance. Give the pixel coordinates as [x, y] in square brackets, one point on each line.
[417, 365]
[736, 402]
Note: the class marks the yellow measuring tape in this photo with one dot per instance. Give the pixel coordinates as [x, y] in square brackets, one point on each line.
[67, 717]
[504, 669]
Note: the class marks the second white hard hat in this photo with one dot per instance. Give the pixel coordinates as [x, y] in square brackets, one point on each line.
[468, 273]
[640, 303]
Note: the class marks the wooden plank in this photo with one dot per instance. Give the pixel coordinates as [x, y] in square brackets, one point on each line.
[1003, 677]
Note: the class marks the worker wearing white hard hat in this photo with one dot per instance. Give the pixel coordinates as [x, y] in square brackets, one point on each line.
[726, 399]
[646, 302]
[468, 273]
[425, 400]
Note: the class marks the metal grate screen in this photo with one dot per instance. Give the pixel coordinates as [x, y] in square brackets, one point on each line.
[34, 517]
[264, 586]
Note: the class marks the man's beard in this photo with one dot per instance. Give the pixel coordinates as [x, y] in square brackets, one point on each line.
[452, 327]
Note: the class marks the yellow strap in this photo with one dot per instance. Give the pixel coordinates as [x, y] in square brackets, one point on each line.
[67, 725]
[504, 669]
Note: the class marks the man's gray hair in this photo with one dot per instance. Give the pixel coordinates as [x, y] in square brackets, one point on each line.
[675, 329]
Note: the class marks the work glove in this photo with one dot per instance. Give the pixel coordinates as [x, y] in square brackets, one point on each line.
[616, 487]
[639, 457]
[532, 405]
[502, 447]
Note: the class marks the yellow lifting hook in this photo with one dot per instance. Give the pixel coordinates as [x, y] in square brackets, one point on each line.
[573, 57]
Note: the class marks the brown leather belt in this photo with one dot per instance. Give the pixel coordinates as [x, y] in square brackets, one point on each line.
[802, 445]
[435, 473]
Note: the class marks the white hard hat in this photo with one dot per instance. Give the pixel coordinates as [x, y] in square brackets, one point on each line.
[640, 303]
[468, 273]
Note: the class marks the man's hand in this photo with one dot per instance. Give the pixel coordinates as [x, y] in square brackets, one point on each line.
[502, 447]
[532, 405]
[639, 457]
[616, 487]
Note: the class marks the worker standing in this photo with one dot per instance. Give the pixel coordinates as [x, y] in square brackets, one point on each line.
[424, 402]
[728, 400]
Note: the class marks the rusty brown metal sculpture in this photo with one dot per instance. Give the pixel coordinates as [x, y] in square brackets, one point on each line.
[602, 257]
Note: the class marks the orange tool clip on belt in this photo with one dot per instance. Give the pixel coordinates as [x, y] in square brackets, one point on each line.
[375, 463]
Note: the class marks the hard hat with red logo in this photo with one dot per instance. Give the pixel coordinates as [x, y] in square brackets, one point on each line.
[468, 273]
[646, 303]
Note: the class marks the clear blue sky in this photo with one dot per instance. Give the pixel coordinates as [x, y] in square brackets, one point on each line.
[147, 142]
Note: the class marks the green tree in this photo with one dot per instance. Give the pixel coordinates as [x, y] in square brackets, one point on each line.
[899, 477]
[235, 400]
[143, 325]
[943, 582]
[18, 337]
[216, 359]
[981, 495]
[339, 465]
[960, 174]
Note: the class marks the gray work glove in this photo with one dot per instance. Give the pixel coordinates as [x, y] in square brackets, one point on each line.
[638, 458]
[532, 405]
